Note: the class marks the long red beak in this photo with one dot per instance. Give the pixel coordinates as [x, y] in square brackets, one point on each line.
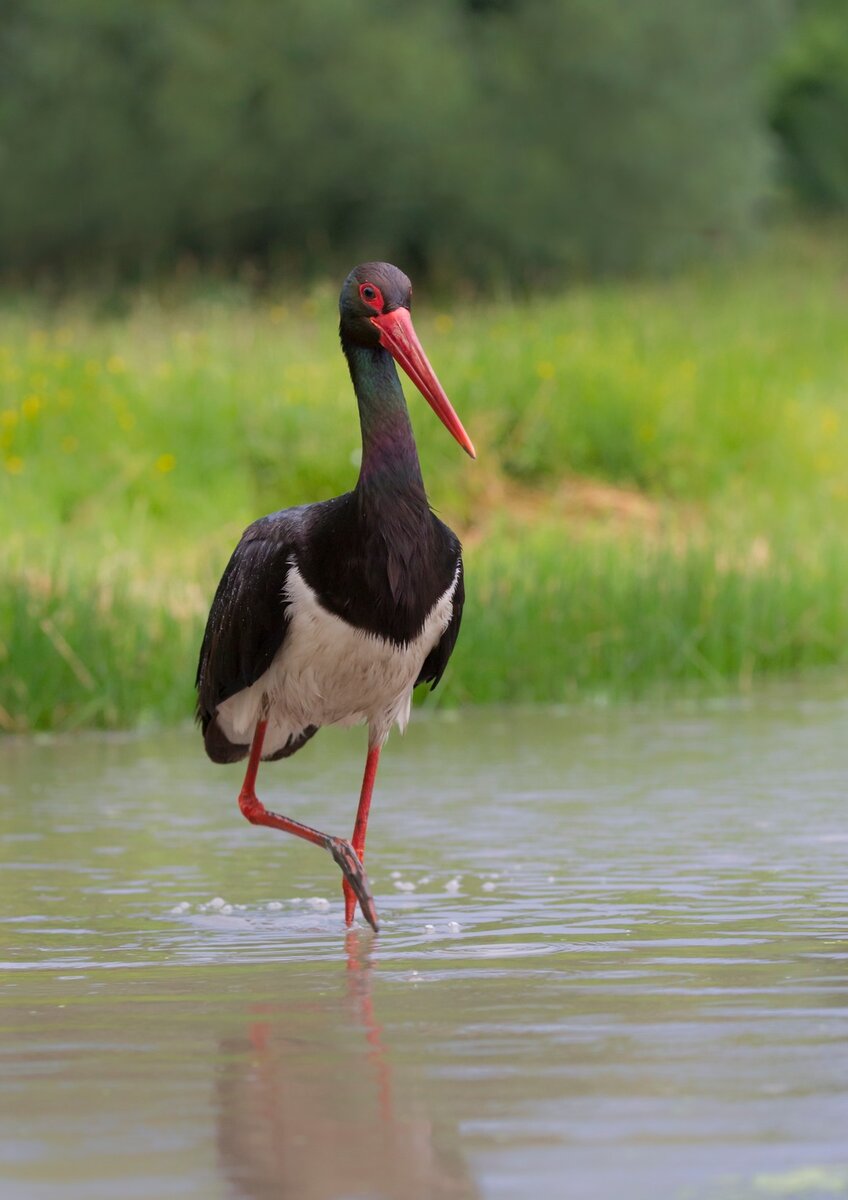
[400, 339]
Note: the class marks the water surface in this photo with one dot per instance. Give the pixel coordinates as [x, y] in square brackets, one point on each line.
[613, 963]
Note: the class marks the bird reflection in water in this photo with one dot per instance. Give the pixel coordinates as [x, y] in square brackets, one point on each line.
[309, 1112]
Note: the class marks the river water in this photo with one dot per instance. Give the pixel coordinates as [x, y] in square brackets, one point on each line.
[613, 963]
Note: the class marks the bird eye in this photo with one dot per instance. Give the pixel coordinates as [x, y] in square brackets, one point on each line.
[372, 296]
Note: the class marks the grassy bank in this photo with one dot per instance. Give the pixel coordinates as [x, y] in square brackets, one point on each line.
[660, 497]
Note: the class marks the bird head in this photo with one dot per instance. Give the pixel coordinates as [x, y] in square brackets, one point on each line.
[375, 307]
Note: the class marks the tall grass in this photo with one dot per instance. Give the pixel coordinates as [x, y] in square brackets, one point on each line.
[82, 652]
[547, 619]
[709, 415]
[550, 620]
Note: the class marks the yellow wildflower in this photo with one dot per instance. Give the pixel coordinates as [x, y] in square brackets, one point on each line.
[115, 365]
[9, 418]
[70, 444]
[31, 406]
[14, 464]
[545, 370]
[444, 322]
[165, 463]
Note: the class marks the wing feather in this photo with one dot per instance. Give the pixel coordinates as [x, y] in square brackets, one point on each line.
[247, 623]
[436, 661]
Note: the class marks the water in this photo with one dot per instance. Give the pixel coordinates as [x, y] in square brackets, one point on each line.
[613, 963]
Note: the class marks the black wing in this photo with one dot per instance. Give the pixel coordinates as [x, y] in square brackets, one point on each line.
[436, 661]
[247, 622]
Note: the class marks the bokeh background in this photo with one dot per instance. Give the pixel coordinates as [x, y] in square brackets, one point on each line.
[626, 226]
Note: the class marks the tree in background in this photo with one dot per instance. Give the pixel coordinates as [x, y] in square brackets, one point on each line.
[517, 139]
[809, 108]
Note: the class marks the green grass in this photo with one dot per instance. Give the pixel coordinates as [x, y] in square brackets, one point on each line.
[618, 618]
[660, 498]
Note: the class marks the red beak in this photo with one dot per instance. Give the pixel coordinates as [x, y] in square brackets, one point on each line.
[400, 339]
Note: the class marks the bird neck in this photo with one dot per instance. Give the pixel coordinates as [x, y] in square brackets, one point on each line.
[390, 465]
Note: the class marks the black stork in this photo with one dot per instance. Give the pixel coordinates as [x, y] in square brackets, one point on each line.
[331, 613]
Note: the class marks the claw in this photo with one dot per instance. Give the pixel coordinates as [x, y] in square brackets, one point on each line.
[354, 872]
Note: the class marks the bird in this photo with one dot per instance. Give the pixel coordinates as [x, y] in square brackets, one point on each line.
[331, 613]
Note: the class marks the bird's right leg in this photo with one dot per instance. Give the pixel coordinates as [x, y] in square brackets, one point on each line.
[361, 827]
[342, 851]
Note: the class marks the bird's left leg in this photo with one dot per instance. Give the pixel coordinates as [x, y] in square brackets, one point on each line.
[342, 851]
[361, 827]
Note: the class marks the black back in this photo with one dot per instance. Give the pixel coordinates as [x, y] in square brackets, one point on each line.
[379, 571]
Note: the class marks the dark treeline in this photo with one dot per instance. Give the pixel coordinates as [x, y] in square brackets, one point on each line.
[480, 138]
[809, 106]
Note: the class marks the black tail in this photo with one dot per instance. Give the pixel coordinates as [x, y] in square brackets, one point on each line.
[221, 750]
[218, 746]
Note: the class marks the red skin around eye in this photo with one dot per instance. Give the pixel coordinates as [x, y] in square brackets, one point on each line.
[376, 301]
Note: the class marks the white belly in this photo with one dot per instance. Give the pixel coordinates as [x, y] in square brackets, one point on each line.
[327, 672]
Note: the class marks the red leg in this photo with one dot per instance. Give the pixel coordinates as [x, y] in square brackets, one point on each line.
[361, 827]
[342, 851]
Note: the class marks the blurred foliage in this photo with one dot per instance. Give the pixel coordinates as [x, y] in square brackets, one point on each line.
[809, 109]
[722, 386]
[490, 139]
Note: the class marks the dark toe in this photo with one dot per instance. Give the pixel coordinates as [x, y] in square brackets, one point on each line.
[354, 872]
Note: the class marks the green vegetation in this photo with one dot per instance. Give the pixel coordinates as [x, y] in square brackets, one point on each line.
[469, 138]
[661, 493]
[809, 104]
